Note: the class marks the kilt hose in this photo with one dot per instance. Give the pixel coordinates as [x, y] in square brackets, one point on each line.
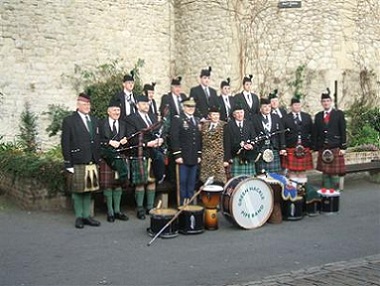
[269, 167]
[85, 178]
[107, 177]
[242, 169]
[337, 167]
[294, 163]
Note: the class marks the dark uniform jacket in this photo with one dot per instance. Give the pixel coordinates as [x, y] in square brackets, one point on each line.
[277, 142]
[282, 110]
[136, 123]
[77, 145]
[121, 97]
[167, 100]
[331, 135]
[203, 103]
[222, 105]
[186, 139]
[153, 107]
[233, 137]
[249, 112]
[106, 132]
[304, 129]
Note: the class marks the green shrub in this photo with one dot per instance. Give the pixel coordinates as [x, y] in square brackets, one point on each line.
[56, 114]
[28, 130]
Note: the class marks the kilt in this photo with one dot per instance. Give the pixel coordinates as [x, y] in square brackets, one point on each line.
[141, 171]
[271, 167]
[336, 167]
[242, 169]
[85, 181]
[293, 163]
[107, 177]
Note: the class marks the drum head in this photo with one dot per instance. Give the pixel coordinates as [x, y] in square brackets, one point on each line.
[191, 208]
[252, 203]
[213, 188]
[163, 212]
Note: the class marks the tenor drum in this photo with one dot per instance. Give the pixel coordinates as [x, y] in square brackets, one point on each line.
[211, 219]
[293, 210]
[158, 219]
[330, 200]
[191, 220]
[210, 196]
[247, 201]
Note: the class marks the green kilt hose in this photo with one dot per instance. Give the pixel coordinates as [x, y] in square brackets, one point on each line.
[336, 167]
[247, 168]
[269, 167]
[294, 163]
[84, 180]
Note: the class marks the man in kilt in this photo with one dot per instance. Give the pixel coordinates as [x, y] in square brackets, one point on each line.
[80, 143]
[330, 142]
[113, 165]
[270, 148]
[239, 134]
[298, 142]
[142, 122]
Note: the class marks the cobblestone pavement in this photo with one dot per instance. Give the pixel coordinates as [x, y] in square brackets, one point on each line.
[363, 271]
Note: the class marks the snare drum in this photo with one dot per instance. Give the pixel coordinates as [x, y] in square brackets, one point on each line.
[247, 201]
[191, 220]
[210, 196]
[330, 200]
[293, 210]
[159, 218]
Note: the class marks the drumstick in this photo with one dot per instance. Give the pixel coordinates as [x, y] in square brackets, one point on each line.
[177, 183]
[209, 181]
[159, 204]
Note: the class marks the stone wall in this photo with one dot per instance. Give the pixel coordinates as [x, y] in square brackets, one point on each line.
[42, 42]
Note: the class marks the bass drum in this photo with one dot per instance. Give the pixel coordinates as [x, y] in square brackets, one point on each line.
[247, 201]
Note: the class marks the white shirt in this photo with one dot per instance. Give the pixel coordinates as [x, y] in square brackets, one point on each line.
[267, 126]
[128, 98]
[110, 122]
[177, 104]
[84, 119]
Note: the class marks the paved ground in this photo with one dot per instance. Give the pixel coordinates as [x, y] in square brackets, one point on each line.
[38, 248]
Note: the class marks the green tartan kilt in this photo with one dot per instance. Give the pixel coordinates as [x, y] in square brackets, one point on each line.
[242, 169]
[271, 167]
[139, 171]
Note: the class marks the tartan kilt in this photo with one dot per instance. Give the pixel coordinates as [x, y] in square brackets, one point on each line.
[242, 169]
[336, 167]
[107, 177]
[271, 167]
[78, 182]
[141, 171]
[293, 163]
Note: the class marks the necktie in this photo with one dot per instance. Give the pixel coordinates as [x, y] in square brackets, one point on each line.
[274, 111]
[89, 127]
[326, 119]
[179, 107]
[249, 99]
[192, 120]
[212, 127]
[114, 130]
[207, 92]
[148, 121]
[297, 120]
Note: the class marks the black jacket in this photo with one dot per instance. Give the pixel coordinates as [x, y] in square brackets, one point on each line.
[249, 112]
[167, 101]
[185, 139]
[277, 142]
[121, 97]
[331, 135]
[77, 145]
[106, 132]
[222, 106]
[136, 123]
[305, 129]
[233, 137]
[203, 103]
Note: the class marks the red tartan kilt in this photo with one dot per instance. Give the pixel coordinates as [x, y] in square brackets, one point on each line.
[293, 163]
[336, 167]
[106, 176]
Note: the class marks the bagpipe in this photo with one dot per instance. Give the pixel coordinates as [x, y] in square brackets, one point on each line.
[267, 153]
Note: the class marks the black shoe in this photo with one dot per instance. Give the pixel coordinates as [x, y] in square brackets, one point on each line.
[110, 218]
[79, 223]
[148, 211]
[90, 221]
[141, 213]
[121, 216]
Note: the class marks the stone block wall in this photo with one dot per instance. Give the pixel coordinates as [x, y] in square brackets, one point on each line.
[43, 41]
